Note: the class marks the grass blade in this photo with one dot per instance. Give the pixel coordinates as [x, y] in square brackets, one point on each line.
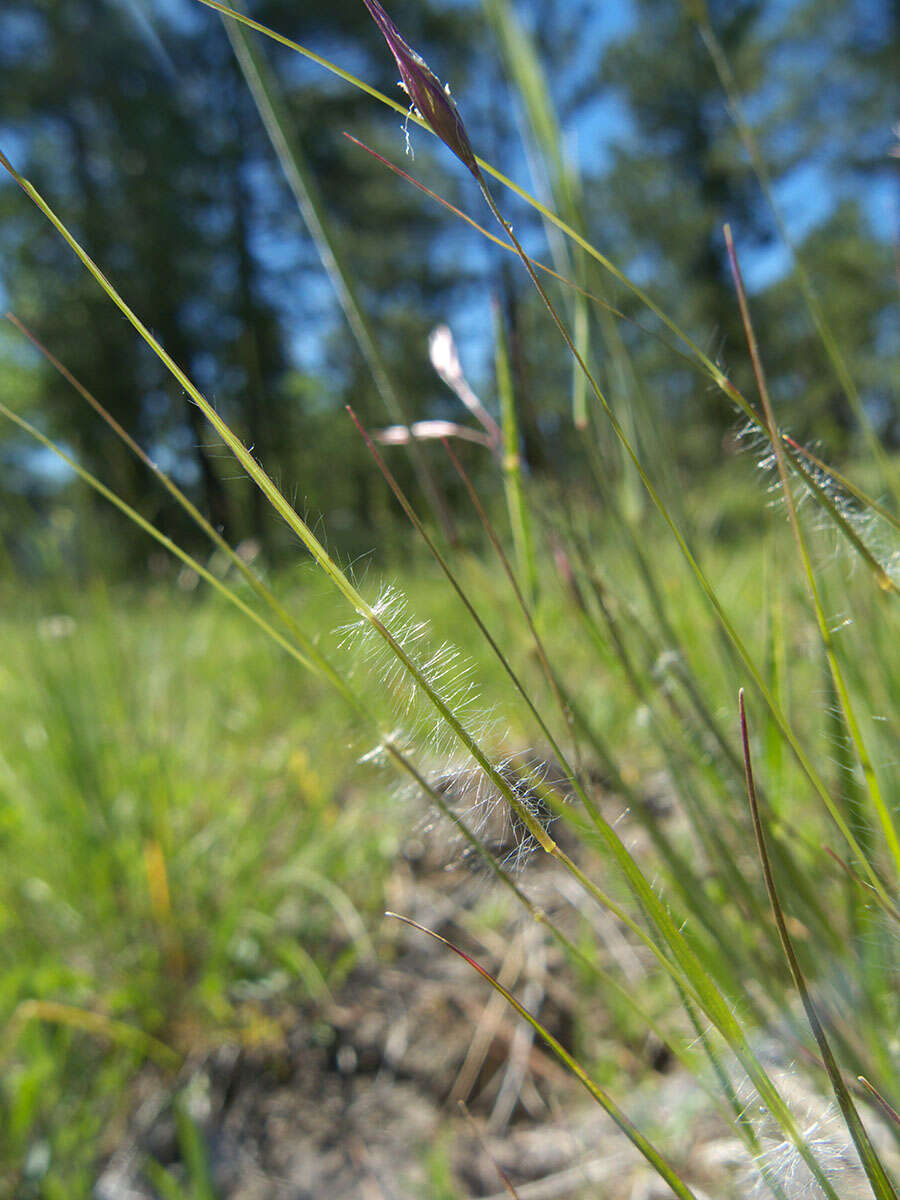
[549, 673]
[882, 1187]
[519, 516]
[262, 88]
[716, 50]
[96, 1024]
[874, 789]
[634, 1135]
[695, 975]
[888, 1109]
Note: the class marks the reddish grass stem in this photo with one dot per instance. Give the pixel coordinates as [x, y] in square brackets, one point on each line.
[882, 1187]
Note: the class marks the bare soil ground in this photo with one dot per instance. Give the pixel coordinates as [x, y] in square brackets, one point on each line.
[360, 1097]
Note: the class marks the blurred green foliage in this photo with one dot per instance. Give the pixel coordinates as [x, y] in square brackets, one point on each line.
[191, 840]
[153, 150]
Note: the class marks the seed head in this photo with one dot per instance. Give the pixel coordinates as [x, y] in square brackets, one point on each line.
[432, 101]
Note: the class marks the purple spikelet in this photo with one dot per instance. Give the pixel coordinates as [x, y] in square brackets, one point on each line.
[433, 102]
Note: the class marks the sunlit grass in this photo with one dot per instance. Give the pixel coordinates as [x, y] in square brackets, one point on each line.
[175, 784]
[153, 725]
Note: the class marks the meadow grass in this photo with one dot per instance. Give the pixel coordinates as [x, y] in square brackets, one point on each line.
[209, 764]
[612, 657]
[180, 817]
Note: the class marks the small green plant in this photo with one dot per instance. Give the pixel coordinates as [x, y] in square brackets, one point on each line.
[641, 612]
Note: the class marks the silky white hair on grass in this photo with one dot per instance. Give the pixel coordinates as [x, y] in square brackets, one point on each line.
[444, 668]
[871, 529]
[826, 1134]
[820, 1123]
[467, 787]
[475, 799]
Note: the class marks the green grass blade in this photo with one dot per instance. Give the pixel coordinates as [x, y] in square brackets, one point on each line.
[700, 15]
[882, 1187]
[520, 54]
[634, 1135]
[707, 994]
[516, 504]
[704, 583]
[882, 811]
[263, 89]
[194, 1153]
[96, 1024]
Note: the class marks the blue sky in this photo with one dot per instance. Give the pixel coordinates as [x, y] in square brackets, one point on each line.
[805, 197]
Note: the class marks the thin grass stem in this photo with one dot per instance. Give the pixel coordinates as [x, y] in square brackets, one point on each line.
[262, 88]
[875, 794]
[882, 1187]
[712, 1001]
[549, 673]
[819, 493]
[634, 1135]
[730, 630]
[450, 575]
[842, 372]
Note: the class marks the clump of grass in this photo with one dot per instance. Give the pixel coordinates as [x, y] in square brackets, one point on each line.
[674, 633]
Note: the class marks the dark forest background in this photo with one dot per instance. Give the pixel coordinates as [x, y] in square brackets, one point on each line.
[133, 118]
